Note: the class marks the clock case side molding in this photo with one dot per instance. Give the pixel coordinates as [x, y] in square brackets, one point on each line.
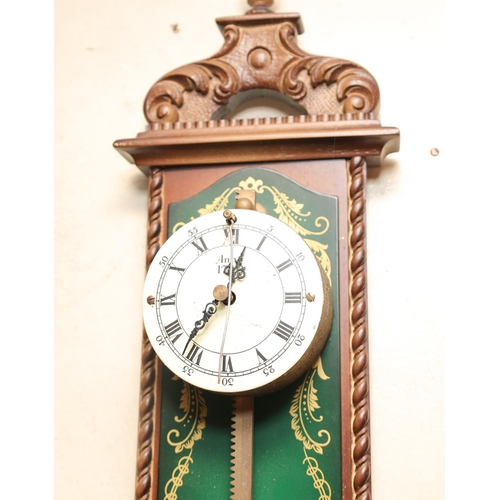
[337, 101]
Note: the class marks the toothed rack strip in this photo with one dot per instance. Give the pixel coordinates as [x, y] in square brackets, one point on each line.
[242, 448]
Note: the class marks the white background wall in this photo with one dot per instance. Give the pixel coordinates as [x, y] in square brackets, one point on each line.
[107, 55]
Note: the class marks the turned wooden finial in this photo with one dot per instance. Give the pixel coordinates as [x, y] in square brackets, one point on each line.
[260, 6]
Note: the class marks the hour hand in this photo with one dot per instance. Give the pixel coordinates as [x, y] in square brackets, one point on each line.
[208, 312]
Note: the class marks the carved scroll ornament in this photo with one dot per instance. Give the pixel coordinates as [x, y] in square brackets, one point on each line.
[260, 54]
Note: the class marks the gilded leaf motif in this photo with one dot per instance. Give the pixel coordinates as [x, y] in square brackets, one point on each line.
[304, 405]
[194, 408]
[289, 211]
[218, 203]
[303, 408]
[320, 250]
[251, 183]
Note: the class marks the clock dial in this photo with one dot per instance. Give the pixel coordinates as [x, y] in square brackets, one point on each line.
[279, 303]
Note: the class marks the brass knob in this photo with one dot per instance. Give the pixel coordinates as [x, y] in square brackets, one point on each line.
[220, 293]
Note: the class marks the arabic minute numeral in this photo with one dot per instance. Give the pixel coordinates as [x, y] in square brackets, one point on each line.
[160, 340]
[299, 340]
[188, 370]
[268, 370]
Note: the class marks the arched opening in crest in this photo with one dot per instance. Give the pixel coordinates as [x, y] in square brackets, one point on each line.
[259, 103]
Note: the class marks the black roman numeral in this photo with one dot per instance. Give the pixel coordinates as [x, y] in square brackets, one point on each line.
[293, 297]
[236, 234]
[193, 352]
[260, 356]
[200, 248]
[180, 269]
[172, 330]
[227, 364]
[284, 265]
[261, 242]
[167, 301]
[283, 330]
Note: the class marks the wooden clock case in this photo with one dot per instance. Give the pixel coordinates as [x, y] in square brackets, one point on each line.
[189, 145]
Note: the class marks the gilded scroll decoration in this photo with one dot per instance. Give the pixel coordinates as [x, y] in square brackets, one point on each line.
[193, 419]
[304, 405]
[290, 212]
[319, 482]
[219, 203]
[320, 250]
[175, 482]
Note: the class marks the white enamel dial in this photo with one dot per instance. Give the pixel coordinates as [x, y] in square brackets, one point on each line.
[278, 319]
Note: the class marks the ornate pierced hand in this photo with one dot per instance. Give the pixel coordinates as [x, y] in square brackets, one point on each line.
[239, 271]
[220, 294]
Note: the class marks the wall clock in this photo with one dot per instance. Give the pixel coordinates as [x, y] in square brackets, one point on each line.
[254, 341]
[309, 435]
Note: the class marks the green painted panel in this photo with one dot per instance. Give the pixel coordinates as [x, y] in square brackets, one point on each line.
[297, 449]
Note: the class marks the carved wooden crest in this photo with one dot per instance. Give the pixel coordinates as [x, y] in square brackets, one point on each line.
[260, 57]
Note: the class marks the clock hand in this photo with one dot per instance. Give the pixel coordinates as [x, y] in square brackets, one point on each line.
[238, 271]
[208, 312]
[242, 420]
[230, 219]
[220, 294]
